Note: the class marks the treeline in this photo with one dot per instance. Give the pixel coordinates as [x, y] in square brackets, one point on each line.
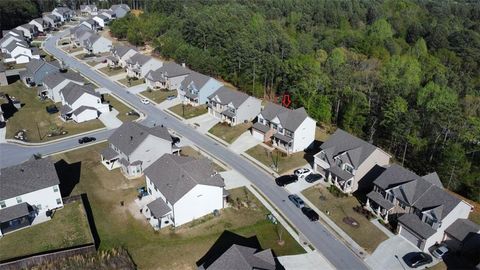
[403, 74]
[14, 13]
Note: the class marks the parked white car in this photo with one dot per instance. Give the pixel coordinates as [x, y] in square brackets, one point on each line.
[440, 251]
[302, 172]
[145, 101]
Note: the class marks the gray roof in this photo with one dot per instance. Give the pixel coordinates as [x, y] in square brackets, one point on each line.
[462, 228]
[13, 44]
[239, 257]
[260, 127]
[81, 109]
[13, 212]
[342, 142]
[283, 137]
[289, 119]
[227, 96]
[342, 174]
[414, 223]
[91, 40]
[35, 64]
[131, 134]
[65, 109]
[27, 177]
[109, 153]
[52, 17]
[434, 179]
[168, 70]
[38, 20]
[72, 91]
[55, 79]
[121, 50]
[91, 21]
[198, 80]
[159, 208]
[175, 175]
[378, 199]
[16, 31]
[139, 59]
[2, 67]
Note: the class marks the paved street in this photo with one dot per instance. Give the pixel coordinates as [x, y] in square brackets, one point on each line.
[337, 253]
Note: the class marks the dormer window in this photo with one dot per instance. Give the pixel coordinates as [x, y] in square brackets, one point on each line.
[429, 220]
[348, 168]
[323, 156]
[338, 162]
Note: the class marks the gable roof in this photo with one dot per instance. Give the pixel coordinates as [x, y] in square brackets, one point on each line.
[81, 109]
[123, 6]
[121, 50]
[176, 175]
[16, 211]
[139, 59]
[55, 79]
[168, 70]
[462, 228]
[289, 119]
[198, 79]
[72, 92]
[103, 17]
[14, 44]
[36, 64]
[227, 96]
[2, 69]
[27, 177]
[131, 134]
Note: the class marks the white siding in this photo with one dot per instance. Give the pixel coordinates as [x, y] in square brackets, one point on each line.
[45, 199]
[378, 157]
[86, 115]
[304, 135]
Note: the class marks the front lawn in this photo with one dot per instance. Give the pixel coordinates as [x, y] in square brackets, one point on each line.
[269, 158]
[132, 82]
[158, 96]
[92, 63]
[188, 111]
[34, 118]
[366, 235]
[228, 133]
[74, 50]
[121, 108]
[111, 71]
[69, 227]
[168, 248]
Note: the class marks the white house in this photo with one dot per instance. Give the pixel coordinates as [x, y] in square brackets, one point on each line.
[111, 15]
[168, 77]
[196, 88]
[8, 38]
[29, 31]
[101, 20]
[120, 55]
[54, 83]
[51, 21]
[134, 147]
[81, 103]
[344, 160]
[233, 107]
[39, 24]
[64, 13]
[88, 9]
[139, 65]
[97, 44]
[90, 24]
[27, 191]
[18, 52]
[181, 189]
[289, 130]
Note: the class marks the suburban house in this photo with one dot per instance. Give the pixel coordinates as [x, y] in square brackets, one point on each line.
[29, 31]
[88, 9]
[460, 232]
[120, 54]
[233, 251]
[8, 38]
[39, 24]
[29, 190]
[181, 190]
[169, 76]
[55, 82]
[345, 159]
[289, 130]
[14, 32]
[3, 75]
[64, 13]
[37, 70]
[19, 52]
[139, 65]
[79, 33]
[90, 24]
[233, 107]
[81, 103]
[196, 88]
[111, 15]
[422, 207]
[96, 44]
[134, 147]
[51, 21]
[120, 10]
[101, 20]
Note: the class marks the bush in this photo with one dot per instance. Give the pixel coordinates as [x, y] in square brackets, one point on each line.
[336, 192]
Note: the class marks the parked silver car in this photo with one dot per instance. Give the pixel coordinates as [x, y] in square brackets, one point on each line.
[296, 200]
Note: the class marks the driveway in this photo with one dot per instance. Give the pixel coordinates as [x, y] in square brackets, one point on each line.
[311, 260]
[244, 142]
[233, 179]
[205, 122]
[384, 256]
[168, 103]
[110, 119]
[138, 88]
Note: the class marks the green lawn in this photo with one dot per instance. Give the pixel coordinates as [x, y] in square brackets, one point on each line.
[188, 111]
[158, 96]
[117, 226]
[92, 63]
[133, 82]
[34, 118]
[366, 235]
[228, 133]
[68, 228]
[285, 163]
[121, 108]
[111, 71]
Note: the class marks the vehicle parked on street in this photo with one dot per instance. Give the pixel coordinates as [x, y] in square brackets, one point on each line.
[145, 101]
[302, 172]
[417, 259]
[313, 177]
[310, 213]
[286, 179]
[296, 200]
[439, 251]
[86, 140]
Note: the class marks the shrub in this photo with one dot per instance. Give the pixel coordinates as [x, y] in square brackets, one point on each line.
[336, 192]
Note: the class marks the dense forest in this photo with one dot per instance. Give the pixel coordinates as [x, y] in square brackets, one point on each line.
[403, 74]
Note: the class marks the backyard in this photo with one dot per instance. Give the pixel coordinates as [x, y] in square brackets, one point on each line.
[285, 162]
[132, 82]
[116, 226]
[228, 133]
[158, 96]
[366, 234]
[69, 227]
[34, 118]
[188, 111]
[121, 108]
[111, 71]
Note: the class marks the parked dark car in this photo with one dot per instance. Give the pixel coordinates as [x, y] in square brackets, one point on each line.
[296, 200]
[86, 140]
[417, 259]
[286, 179]
[51, 109]
[310, 213]
[313, 177]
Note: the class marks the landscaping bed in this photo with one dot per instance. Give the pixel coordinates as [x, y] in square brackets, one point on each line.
[158, 96]
[269, 158]
[188, 111]
[229, 133]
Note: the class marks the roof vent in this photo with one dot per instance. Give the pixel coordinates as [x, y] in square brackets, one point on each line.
[22, 170]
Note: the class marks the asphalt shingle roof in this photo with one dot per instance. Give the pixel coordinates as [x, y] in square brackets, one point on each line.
[168, 70]
[55, 79]
[72, 91]
[159, 208]
[198, 80]
[462, 228]
[13, 212]
[139, 59]
[244, 258]
[227, 96]
[121, 50]
[289, 119]
[414, 223]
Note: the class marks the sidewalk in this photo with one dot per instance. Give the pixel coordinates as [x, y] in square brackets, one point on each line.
[382, 228]
[3, 133]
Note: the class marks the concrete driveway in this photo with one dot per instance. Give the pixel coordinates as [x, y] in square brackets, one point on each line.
[311, 260]
[138, 88]
[110, 119]
[205, 122]
[244, 142]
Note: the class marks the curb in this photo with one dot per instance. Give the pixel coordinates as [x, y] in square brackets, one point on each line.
[217, 139]
[260, 165]
[75, 148]
[56, 140]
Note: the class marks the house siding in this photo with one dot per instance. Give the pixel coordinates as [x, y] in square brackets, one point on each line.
[304, 135]
[248, 110]
[102, 45]
[151, 149]
[44, 198]
[377, 157]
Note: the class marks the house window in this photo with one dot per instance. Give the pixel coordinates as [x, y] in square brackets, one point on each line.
[149, 191]
[260, 120]
[429, 220]
[349, 168]
[55, 189]
[274, 126]
[2, 204]
[59, 201]
[323, 156]
[338, 162]
[280, 130]
[19, 199]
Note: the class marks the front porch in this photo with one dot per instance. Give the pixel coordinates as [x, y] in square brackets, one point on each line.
[282, 143]
[228, 117]
[341, 179]
[379, 206]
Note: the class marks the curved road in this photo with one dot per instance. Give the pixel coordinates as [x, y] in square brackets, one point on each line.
[335, 251]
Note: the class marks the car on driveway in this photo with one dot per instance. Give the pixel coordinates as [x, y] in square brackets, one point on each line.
[145, 101]
[286, 179]
[302, 172]
[86, 140]
[171, 97]
[439, 251]
[417, 259]
[313, 177]
[296, 200]
[310, 213]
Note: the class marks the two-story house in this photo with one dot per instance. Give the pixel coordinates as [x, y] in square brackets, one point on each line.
[51, 21]
[55, 82]
[81, 103]
[39, 24]
[181, 189]
[90, 24]
[138, 65]
[111, 15]
[120, 10]
[7, 38]
[28, 190]
[96, 44]
[134, 147]
[168, 77]
[422, 207]
[345, 159]
[37, 70]
[289, 130]
[196, 88]
[19, 52]
[120, 55]
[101, 20]
[79, 33]
[29, 31]
[233, 107]
[88, 10]
[65, 14]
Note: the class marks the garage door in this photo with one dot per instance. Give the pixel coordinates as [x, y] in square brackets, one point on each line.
[257, 135]
[411, 237]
